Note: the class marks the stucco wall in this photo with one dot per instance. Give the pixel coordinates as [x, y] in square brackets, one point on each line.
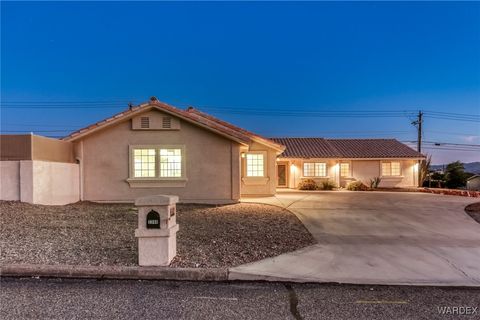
[9, 180]
[39, 182]
[48, 149]
[362, 170]
[55, 183]
[15, 147]
[265, 186]
[212, 164]
[296, 172]
[33, 147]
[473, 184]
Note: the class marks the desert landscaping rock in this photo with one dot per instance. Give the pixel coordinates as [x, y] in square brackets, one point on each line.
[473, 211]
[103, 234]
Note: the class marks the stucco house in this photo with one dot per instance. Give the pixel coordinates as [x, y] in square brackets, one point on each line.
[156, 148]
[473, 183]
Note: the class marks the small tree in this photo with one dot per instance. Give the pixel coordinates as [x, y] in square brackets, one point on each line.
[455, 175]
[424, 170]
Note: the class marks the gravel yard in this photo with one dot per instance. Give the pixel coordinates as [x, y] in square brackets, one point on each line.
[473, 211]
[103, 234]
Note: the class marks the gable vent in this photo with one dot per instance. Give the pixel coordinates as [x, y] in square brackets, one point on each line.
[166, 123]
[144, 122]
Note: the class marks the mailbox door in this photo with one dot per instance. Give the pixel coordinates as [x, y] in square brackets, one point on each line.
[153, 220]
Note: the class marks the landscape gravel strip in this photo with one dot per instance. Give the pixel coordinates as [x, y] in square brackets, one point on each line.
[96, 234]
[473, 210]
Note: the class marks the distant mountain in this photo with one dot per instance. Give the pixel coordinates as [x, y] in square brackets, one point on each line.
[473, 167]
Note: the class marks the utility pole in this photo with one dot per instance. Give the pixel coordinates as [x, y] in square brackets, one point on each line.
[418, 123]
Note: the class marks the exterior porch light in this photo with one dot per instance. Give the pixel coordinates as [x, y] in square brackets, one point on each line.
[243, 154]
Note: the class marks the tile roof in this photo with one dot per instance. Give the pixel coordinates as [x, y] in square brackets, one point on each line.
[307, 148]
[345, 148]
[191, 115]
[250, 134]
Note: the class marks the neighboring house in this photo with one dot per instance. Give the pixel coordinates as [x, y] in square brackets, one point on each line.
[155, 148]
[473, 183]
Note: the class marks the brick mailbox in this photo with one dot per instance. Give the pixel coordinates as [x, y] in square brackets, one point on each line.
[157, 230]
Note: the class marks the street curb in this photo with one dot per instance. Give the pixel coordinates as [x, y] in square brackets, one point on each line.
[114, 272]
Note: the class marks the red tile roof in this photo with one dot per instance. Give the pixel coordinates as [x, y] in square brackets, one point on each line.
[250, 134]
[307, 148]
[346, 148]
[191, 115]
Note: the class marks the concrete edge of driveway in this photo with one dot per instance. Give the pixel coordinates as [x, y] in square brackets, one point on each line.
[114, 272]
[239, 276]
[181, 274]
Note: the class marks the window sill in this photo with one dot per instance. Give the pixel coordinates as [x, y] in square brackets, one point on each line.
[319, 177]
[391, 177]
[255, 181]
[157, 183]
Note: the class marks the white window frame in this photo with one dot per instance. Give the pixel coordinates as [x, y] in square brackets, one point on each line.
[389, 174]
[315, 169]
[349, 174]
[155, 162]
[264, 155]
[157, 176]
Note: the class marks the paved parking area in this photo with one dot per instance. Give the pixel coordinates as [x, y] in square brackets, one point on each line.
[377, 238]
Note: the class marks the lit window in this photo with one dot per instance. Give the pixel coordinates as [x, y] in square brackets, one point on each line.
[391, 168]
[317, 169]
[144, 163]
[255, 165]
[395, 168]
[344, 169]
[170, 163]
[309, 169]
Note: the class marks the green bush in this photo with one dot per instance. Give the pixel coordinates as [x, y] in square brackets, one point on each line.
[307, 184]
[375, 182]
[357, 186]
[328, 185]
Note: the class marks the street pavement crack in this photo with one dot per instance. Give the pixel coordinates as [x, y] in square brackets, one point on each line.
[293, 301]
[453, 265]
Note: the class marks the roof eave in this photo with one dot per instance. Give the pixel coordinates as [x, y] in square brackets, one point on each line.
[144, 108]
[350, 158]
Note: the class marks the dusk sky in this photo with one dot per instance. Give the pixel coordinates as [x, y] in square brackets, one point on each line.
[306, 69]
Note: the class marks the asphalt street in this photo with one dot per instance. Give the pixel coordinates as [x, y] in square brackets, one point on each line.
[107, 299]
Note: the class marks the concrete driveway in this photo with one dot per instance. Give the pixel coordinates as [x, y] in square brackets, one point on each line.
[376, 238]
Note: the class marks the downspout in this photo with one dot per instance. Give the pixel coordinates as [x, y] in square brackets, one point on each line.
[80, 168]
[231, 171]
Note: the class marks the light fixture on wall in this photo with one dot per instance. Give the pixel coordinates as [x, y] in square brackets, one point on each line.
[243, 154]
[293, 170]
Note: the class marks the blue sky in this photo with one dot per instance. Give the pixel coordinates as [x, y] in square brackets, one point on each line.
[249, 63]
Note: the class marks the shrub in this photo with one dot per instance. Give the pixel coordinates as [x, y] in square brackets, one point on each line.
[357, 186]
[328, 185]
[307, 184]
[375, 182]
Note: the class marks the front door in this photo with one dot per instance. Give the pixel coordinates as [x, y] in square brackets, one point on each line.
[281, 175]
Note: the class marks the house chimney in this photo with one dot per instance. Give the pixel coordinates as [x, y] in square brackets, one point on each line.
[153, 99]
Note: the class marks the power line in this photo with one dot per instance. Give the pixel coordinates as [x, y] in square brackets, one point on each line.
[446, 143]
